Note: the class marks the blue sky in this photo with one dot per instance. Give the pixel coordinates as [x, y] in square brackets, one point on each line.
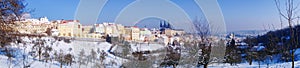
[238, 14]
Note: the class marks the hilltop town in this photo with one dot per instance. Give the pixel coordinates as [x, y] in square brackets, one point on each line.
[75, 29]
[182, 34]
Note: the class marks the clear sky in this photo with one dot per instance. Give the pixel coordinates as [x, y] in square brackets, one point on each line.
[238, 14]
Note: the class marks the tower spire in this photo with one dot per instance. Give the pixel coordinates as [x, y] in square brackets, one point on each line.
[160, 24]
[165, 24]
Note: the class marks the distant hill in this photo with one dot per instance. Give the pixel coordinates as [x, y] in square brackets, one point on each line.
[244, 33]
[277, 36]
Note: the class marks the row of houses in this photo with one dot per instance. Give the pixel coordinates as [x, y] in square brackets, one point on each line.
[73, 28]
[32, 26]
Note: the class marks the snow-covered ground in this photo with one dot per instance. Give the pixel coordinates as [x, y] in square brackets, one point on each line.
[256, 65]
[73, 48]
[111, 61]
[146, 47]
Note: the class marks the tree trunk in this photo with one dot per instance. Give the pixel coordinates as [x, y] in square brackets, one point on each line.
[205, 66]
[10, 61]
[79, 65]
[61, 65]
[259, 64]
[293, 58]
[250, 62]
[174, 65]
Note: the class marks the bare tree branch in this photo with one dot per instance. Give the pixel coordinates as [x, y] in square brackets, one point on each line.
[290, 16]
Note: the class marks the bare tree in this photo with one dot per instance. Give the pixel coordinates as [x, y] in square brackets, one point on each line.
[60, 58]
[202, 29]
[203, 32]
[10, 10]
[93, 55]
[290, 15]
[81, 59]
[68, 59]
[102, 57]
[9, 54]
[46, 54]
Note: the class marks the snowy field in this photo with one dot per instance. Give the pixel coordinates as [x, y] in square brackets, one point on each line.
[73, 48]
[111, 61]
[256, 65]
[146, 47]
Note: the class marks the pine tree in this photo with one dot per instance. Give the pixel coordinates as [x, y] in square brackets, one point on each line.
[204, 55]
[231, 54]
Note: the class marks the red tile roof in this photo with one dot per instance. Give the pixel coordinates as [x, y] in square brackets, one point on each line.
[67, 21]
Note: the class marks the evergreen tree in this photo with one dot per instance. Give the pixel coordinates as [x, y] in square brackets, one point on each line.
[204, 55]
[231, 55]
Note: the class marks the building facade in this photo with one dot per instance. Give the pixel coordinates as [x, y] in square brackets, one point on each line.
[69, 28]
[33, 26]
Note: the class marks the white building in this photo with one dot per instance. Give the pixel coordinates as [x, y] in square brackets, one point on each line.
[110, 28]
[54, 32]
[43, 20]
[99, 29]
[145, 34]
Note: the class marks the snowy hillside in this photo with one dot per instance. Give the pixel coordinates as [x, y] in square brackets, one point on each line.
[26, 55]
[73, 48]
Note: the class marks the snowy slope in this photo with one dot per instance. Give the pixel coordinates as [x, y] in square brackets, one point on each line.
[146, 47]
[77, 46]
[60, 46]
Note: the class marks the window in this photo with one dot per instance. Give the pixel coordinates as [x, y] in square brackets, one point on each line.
[69, 34]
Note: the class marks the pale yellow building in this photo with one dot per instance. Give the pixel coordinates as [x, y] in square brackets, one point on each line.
[180, 31]
[128, 32]
[70, 28]
[132, 33]
[121, 29]
[87, 29]
[110, 28]
[99, 29]
[87, 32]
[171, 32]
[135, 33]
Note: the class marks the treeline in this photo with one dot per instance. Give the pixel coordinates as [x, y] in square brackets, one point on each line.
[278, 36]
[273, 47]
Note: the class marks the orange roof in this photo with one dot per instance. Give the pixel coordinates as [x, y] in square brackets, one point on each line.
[67, 21]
